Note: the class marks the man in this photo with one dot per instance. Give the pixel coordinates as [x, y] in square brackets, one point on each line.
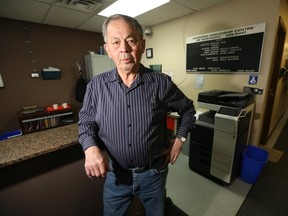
[124, 113]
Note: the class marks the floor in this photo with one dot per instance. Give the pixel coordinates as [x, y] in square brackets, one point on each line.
[191, 194]
[269, 196]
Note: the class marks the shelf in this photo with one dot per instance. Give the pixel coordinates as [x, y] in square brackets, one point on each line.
[45, 119]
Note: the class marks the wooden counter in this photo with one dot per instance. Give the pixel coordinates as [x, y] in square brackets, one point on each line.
[28, 146]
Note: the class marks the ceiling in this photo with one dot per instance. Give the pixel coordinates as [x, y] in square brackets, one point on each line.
[82, 14]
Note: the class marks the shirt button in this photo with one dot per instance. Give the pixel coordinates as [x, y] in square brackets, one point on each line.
[129, 144]
[129, 125]
[128, 106]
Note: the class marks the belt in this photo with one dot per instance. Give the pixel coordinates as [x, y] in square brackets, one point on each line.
[140, 169]
[157, 164]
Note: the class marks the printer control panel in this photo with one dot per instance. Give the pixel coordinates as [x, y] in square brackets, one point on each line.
[229, 111]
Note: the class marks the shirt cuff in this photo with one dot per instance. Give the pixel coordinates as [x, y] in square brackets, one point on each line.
[88, 142]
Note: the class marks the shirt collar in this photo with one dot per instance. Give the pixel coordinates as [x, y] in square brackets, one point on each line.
[143, 76]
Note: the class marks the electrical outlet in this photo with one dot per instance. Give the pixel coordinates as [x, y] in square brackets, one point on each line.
[258, 91]
[252, 90]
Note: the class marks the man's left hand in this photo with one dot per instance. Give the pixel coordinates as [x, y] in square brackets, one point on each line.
[176, 149]
[172, 153]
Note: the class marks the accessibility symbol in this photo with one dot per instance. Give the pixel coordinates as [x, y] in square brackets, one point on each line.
[253, 79]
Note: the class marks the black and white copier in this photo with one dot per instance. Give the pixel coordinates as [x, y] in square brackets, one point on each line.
[220, 134]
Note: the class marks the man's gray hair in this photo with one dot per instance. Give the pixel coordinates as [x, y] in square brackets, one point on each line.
[128, 19]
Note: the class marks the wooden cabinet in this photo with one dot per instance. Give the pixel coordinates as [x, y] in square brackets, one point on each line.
[45, 119]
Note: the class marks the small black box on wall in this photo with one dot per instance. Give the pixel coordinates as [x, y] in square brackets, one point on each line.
[51, 74]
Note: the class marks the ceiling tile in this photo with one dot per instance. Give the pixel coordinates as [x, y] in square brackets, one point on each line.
[163, 13]
[93, 24]
[26, 10]
[199, 4]
[65, 17]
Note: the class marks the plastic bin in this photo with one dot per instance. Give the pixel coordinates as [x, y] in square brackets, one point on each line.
[253, 161]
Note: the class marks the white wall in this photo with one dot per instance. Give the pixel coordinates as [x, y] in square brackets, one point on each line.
[168, 43]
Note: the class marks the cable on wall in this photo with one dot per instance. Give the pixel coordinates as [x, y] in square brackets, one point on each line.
[34, 73]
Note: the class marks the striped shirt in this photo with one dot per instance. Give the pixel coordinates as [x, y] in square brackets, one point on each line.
[130, 122]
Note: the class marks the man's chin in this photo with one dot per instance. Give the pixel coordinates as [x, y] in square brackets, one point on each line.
[128, 67]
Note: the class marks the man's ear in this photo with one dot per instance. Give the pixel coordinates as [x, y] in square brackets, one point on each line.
[107, 50]
[143, 45]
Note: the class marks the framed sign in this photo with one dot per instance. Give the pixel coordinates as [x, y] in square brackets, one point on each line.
[229, 51]
[149, 53]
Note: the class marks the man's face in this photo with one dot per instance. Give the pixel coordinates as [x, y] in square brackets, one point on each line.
[124, 45]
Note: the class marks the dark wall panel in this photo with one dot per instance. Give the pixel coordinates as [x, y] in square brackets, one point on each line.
[53, 46]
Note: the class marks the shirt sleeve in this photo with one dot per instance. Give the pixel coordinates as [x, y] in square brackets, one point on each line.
[184, 106]
[86, 124]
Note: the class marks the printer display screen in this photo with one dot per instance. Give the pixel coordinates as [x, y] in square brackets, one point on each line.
[229, 111]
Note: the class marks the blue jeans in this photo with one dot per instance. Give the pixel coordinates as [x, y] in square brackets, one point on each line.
[121, 186]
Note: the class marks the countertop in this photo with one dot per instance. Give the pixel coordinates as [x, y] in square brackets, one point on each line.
[31, 145]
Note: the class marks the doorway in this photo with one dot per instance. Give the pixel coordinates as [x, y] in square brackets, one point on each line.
[276, 63]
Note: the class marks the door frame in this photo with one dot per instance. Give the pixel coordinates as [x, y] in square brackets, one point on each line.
[276, 64]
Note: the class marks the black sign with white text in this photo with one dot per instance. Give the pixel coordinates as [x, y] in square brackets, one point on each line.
[234, 50]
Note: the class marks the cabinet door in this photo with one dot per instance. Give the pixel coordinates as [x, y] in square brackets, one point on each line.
[222, 155]
[96, 64]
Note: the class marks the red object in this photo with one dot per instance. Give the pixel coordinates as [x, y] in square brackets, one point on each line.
[170, 123]
[49, 109]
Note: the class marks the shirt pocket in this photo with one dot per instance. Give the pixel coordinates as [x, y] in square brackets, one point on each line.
[155, 109]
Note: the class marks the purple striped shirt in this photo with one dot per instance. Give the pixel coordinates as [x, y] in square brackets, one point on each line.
[130, 123]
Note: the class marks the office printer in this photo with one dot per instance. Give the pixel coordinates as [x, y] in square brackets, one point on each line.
[220, 134]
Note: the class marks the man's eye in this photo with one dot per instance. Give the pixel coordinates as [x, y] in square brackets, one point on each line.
[131, 42]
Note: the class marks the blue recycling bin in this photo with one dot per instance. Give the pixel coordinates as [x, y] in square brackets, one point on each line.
[253, 161]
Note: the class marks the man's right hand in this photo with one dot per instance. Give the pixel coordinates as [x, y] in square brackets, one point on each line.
[96, 163]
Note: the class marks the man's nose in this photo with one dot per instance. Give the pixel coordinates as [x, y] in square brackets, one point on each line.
[125, 47]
